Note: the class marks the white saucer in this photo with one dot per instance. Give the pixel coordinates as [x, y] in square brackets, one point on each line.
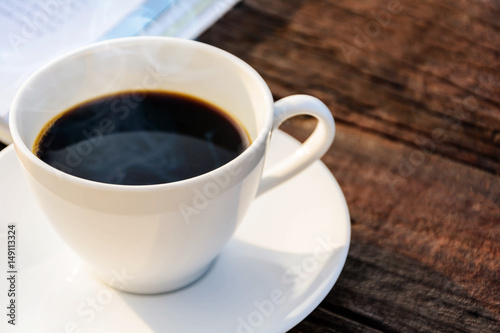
[280, 265]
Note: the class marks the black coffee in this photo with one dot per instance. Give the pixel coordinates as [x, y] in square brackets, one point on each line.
[141, 138]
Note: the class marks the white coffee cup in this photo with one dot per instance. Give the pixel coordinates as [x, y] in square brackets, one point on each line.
[160, 237]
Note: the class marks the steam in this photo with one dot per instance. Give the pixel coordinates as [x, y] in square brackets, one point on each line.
[144, 158]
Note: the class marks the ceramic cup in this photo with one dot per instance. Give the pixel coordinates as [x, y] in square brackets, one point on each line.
[157, 238]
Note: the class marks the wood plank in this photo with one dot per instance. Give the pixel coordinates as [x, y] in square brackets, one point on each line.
[425, 207]
[381, 291]
[398, 86]
[440, 212]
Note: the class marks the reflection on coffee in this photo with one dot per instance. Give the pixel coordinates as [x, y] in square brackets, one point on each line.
[141, 138]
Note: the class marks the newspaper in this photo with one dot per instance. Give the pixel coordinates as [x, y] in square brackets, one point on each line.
[36, 31]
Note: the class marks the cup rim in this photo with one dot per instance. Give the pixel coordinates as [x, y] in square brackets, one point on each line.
[260, 139]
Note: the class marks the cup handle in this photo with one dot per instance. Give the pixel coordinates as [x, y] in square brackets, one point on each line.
[313, 148]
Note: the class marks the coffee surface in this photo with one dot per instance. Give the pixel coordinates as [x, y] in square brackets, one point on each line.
[141, 138]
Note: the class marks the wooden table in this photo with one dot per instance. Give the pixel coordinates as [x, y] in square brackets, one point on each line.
[414, 87]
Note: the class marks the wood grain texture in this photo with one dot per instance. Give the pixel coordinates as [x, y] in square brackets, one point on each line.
[381, 291]
[425, 71]
[417, 151]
